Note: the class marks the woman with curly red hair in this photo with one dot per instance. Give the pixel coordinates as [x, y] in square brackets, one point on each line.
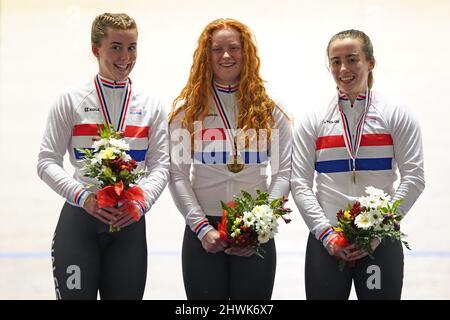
[225, 130]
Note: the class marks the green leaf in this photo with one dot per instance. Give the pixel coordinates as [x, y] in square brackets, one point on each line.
[224, 205]
[384, 210]
[396, 204]
[276, 203]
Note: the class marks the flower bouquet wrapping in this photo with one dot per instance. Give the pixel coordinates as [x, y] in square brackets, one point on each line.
[250, 222]
[371, 217]
[114, 171]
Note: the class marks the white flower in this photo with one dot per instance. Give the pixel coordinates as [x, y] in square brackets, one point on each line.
[364, 220]
[260, 224]
[383, 227]
[366, 202]
[261, 211]
[274, 225]
[385, 201]
[374, 202]
[263, 237]
[377, 217]
[119, 143]
[374, 192]
[377, 198]
[99, 143]
[249, 219]
[125, 156]
[274, 229]
[98, 157]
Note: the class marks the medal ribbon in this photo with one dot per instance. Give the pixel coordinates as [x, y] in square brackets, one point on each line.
[229, 131]
[125, 101]
[353, 146]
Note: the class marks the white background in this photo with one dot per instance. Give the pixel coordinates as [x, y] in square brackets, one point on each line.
[45, 47]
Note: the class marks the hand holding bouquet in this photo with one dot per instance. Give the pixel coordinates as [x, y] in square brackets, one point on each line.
[250, 222]
[370, 217]
[114, 170]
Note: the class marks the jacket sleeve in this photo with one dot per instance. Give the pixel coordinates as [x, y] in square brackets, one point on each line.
[303, 168]
[58, 132]
[408, 153]
[180, 184]
[157, 160]
[280, 155]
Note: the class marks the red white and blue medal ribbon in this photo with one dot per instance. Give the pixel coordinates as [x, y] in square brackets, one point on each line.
[125, 101]
[352, 145]
[229, 130]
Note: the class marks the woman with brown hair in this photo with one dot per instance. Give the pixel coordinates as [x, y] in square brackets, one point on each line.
[360, 139]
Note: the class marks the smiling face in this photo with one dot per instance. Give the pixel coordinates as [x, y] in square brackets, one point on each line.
[226, 55]
[117, 54]
[349, 66]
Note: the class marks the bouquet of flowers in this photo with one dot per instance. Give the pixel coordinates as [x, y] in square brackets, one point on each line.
[370, 217]
[250, 222]
[114, 170]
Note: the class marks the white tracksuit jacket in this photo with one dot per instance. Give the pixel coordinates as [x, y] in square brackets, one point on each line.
[198, 193]
[72, 124]
[391, 141]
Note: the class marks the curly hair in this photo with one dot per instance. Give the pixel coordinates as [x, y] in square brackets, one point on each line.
[255, 106]
[116, 21]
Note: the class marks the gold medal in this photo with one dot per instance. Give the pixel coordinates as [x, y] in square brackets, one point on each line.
[353, 141]
[237, 165]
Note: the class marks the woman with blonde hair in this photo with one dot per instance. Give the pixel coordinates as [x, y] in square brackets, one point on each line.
[226, 128]
[87, 259]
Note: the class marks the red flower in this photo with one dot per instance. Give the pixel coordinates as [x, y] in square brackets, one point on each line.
[341, 241]
[222, 226]
[111, 195]
[355, 210]
[117, 165]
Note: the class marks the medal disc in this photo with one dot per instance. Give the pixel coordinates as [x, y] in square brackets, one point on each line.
[237, 165]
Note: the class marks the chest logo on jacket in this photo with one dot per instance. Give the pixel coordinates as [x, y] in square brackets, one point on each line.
[331, 121]
[136, 111]
[91, 109]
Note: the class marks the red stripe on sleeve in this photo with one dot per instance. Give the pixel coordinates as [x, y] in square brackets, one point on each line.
[200, 224]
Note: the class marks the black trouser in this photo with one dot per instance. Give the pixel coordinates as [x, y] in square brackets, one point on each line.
[223, 276]
[87, 258]
[380, 278]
